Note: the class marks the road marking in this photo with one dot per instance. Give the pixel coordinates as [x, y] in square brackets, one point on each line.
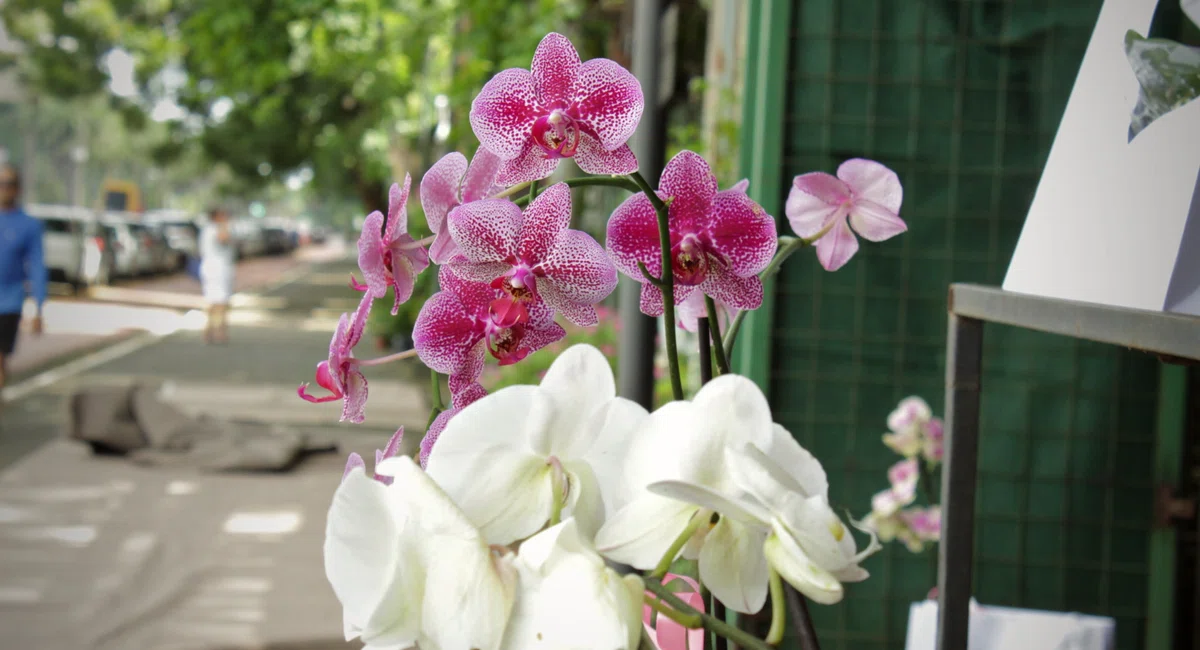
[80, 365]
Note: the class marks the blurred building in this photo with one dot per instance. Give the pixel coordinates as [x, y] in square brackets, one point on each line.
[11, 95]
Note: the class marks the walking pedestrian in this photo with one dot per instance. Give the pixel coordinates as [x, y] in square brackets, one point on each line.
[217, 269]
[22, 266]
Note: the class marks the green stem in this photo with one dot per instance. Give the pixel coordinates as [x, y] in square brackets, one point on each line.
[788, 245]
[710, 623]
[668, 282]
[699, 519]
[778, 610]
[533, 191]
[584, 181]
[714, 326]
[435, 385]
[512, 190]
[690, 621]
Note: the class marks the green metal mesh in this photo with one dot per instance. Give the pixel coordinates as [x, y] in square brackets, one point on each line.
[962, 98]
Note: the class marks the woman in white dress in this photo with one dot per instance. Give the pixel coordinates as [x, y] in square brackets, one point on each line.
[217, 263]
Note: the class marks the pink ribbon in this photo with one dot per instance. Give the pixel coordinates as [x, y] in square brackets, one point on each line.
[669, 635]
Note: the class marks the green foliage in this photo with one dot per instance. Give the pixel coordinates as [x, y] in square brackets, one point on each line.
[1168, 73]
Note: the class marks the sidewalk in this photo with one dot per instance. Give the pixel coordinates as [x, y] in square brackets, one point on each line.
[101, 554]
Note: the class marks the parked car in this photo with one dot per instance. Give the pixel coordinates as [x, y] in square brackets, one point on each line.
[278, 241]
[166, 258]
[99, 263]
[76, 248]
[133, 253]
[182, 236]
[249, 239]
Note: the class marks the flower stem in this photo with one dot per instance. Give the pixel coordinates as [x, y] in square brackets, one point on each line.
[512, 190]
[801, 620]
[706, 357]
[714, 323]
[710, 623]
[690, 621]
[583, 181]
[788, 245]
[533, 191]
[668, 282]
[379, 361]
[778, 610]
[698, 519]
[435, 389]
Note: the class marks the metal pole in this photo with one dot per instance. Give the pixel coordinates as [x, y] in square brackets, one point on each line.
[635, 374]
[964, 352]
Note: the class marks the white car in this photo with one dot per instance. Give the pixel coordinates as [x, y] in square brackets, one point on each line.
[76, 249]
[133, 253]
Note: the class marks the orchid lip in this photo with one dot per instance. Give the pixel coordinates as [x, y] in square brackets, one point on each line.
[689, 261]
[557, 134]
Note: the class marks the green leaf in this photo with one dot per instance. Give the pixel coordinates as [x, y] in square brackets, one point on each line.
[1168, 74]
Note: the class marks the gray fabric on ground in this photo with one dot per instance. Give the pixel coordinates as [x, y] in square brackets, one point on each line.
[135, 421]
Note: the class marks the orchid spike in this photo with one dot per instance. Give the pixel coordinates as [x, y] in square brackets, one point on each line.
[340, 373]
[500, 457]
[533, 256]
[459, 401]
[864, 195]
[409, 569]
[457, 327]
[720, 241]
[451, 182]
[561, 108]
[389, 256]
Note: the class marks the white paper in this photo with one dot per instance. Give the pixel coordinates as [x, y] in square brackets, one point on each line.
[1107, 221]
[1007, 628]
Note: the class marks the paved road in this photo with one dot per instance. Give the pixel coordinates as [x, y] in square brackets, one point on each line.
[100, 553]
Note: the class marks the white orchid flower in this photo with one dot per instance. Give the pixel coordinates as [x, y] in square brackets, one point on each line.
[685, 442]
[410, 569]
[568, 597]
[501, 457]
[783, 489]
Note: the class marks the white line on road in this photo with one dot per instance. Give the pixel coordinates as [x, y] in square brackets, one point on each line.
[80, 365]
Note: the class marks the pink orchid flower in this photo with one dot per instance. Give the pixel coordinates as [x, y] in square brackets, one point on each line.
[720, 241]
[933, 448]
[391, 449]
[457, 327]
[390, 257]
[533, 257]
[864, 195]
[693, 309]
[903, 477]
[340, 374]
[667, 634]
[925, 523]
[451, 182]
[459, 401]
[561, 108]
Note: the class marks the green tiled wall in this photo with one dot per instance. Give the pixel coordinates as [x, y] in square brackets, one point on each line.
[962, 99]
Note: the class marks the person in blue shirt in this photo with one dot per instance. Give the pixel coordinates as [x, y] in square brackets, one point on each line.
[21, 263]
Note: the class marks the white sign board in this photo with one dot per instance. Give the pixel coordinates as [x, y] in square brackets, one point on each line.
[1008, 628]
[1115, 221]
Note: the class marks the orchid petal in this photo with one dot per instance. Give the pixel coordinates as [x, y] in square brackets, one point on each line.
[370, 254]
[554, 68]
[482, 272]
[874, 182]
[444, 332]
[367, 537]
[530, 164]
[875, 222]
[357, 323]
[585, 499]
[815, 201]
[620, 419]
[393, 445]
[742, 233]
[733, 566]
[689, 183]
[439, 195]
[836, 247]
[397, 217]
[743, 294]
[544, 220]
[581, 275]
[910, 412]
[356, 397]
[480, 179]
[504, 112]
[795, 567]
[404, 279]
[738, 508]
[486, 230]
[608, 99]
[741, 186]
[471, 369]
[730, 410]
[632, 237]
[641, 532]
[578, 384]
[595, 159]
[353, 462]
[484, 446]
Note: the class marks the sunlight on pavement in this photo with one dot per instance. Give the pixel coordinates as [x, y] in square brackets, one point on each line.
[263, 523]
